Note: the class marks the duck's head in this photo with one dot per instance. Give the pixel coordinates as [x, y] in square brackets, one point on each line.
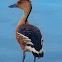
[24, 5]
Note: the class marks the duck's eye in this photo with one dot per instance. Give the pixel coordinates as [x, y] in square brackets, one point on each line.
[20, 2]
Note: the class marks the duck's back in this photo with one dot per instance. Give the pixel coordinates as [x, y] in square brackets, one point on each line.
[33, 33]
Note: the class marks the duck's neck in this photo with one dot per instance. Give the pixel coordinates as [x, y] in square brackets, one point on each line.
[24, 18]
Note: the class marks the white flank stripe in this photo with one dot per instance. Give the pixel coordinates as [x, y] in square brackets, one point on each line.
[29, 48]
[27, 39]
[29, 43]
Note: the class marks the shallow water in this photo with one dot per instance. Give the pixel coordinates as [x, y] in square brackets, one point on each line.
[47, 15]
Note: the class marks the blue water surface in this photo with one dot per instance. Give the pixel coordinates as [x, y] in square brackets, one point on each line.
[46, 15]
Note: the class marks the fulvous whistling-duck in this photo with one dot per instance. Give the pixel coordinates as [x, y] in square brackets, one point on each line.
[28, 36]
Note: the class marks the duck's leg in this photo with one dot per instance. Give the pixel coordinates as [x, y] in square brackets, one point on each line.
[24, 55]
[34, 59]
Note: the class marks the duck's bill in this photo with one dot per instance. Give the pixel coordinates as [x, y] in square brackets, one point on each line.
[13, 6]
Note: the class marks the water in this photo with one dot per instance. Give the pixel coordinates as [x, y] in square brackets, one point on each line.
[47, 15]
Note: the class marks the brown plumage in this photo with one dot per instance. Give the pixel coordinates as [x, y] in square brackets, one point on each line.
[28, 36]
